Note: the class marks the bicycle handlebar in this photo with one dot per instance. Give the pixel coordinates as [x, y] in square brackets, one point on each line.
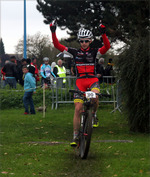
[76, 91]
[81, 93]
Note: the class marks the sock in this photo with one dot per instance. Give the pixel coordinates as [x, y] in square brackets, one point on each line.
[94, 114]
[75, 134]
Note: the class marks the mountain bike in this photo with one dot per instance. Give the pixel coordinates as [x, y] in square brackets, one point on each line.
[87, 118]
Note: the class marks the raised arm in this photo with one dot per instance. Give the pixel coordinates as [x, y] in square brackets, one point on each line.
[106, 42]
[56, 43]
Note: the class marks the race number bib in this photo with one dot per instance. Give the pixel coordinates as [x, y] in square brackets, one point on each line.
[90, 94]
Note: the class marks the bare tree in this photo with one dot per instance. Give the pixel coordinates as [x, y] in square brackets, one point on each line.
[38, 45]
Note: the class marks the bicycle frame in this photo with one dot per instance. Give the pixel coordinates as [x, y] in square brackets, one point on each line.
[86, 123]
[85, 126]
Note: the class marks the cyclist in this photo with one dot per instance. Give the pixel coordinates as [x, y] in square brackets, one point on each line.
[45, 71]
[85, 63]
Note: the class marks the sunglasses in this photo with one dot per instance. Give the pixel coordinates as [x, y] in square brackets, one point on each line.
[86, 41]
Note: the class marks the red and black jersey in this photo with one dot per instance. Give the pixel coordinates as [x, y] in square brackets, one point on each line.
[84, 60]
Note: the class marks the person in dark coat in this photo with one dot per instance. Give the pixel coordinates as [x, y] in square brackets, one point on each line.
[20, 74]
[108, 72]
[100, 69]
[10, 72]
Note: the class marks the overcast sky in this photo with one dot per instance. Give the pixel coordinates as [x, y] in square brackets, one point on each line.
[12, 25]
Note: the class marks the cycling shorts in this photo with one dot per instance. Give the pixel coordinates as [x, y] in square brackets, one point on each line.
[82, 85]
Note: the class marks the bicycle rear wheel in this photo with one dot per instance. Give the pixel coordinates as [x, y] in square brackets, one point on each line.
[85, 138]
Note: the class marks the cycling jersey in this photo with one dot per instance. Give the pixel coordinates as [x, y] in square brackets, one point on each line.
[85, 60]
[85, 63]
[46, 71]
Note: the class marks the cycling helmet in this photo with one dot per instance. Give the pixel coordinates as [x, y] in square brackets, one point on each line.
[84, 33]
[45, 59]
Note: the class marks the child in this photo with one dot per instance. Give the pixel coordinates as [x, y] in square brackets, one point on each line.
[29, 87]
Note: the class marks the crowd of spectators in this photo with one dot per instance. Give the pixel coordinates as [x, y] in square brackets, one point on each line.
[12, 72]
[26, 73]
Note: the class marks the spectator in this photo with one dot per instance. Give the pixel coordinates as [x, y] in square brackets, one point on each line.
[36, 69]
[20, 75]
[60, 71]
[100, 69]
[108, 72]
[46, 72]
[31, 67]
[19, 70]
[109, 68]
[24, 61]
[29, 87]
[10, 72]
[73, 71]
[53, 65]
[3, 73]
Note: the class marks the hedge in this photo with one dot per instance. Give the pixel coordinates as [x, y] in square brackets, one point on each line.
[11, 98]
[134, 74]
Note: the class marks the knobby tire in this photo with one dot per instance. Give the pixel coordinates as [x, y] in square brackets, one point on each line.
[86, 140]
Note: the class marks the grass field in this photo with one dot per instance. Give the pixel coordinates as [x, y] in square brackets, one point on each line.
[28, 146]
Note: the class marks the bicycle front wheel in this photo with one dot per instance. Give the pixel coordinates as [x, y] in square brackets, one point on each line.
[85, 138]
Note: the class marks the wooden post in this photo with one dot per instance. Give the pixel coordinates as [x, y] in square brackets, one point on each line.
[44, 100]
[113, 96]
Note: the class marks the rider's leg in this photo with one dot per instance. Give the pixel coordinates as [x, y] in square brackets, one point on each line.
[76, 119]
[76, 122]
[96, 101]
[96, 104]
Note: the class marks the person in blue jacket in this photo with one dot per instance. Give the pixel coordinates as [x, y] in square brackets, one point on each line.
[29, 88]
[46, 72]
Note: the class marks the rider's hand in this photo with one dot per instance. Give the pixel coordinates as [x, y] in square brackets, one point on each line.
[53, 26]
[102, 29]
